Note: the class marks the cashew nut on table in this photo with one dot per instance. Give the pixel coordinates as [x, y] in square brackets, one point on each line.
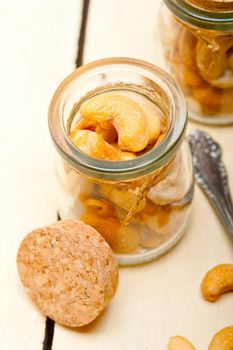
[179, 343]
[217, 281]
[223, 340]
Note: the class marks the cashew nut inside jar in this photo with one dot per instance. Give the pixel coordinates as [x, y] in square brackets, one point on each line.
[123, 165]
[197, 40]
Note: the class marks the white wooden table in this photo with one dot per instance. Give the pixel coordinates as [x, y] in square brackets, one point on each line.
[39, 45]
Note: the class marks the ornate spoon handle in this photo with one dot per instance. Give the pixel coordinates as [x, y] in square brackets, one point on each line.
[211, 175]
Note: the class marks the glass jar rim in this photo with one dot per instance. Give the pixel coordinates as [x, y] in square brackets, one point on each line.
[202, 18]
[127, 169]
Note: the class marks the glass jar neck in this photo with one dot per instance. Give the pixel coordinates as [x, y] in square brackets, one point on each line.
[212, 5]
[154, 81]
[213, 18]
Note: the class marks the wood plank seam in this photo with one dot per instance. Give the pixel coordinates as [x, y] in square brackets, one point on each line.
[82, 33]
[49, 325]
[49, 333]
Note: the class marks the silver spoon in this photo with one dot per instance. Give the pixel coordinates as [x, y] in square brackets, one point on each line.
[211, 175]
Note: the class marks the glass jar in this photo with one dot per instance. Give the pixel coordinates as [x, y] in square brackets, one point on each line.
[197, 38]
[141, 206]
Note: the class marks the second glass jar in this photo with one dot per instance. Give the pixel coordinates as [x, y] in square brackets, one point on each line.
[141, 206]
[197, 38]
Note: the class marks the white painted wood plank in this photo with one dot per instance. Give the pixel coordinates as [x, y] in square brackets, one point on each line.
[38, 46]
[123, 28]
[162, 298]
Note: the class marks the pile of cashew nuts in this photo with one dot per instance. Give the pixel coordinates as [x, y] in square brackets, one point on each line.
[114, 127]
[202, 62]
[217, 281]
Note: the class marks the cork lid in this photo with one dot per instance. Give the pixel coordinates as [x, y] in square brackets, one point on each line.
[213, 5]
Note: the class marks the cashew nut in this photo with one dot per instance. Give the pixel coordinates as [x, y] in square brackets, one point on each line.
[187, 48]
[149, 210]
[107, 226]
[124, 155]
[127, 117]
[155, 121]
[217, 281]
[102, 206]
[208, 96]
[212, 61]
[179, 343]
[189, 76]
[124, 198]
[108, 132]
[225, 81]
[95, 146]
[100, 214]
[82, 124]
[127, 239]
[223, 340]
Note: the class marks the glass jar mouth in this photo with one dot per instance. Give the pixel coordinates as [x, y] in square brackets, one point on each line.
[203, 18]
[127, 169]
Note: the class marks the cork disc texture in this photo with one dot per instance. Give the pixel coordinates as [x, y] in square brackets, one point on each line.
[69, 271]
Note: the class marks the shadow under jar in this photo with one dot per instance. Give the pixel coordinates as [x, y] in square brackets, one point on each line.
[140, 203]
[197, 38]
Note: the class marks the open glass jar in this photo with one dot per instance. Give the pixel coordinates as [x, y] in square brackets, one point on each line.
[197, 38]
[141, 206]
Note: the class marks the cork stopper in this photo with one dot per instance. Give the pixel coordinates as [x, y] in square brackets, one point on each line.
[213, 5]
